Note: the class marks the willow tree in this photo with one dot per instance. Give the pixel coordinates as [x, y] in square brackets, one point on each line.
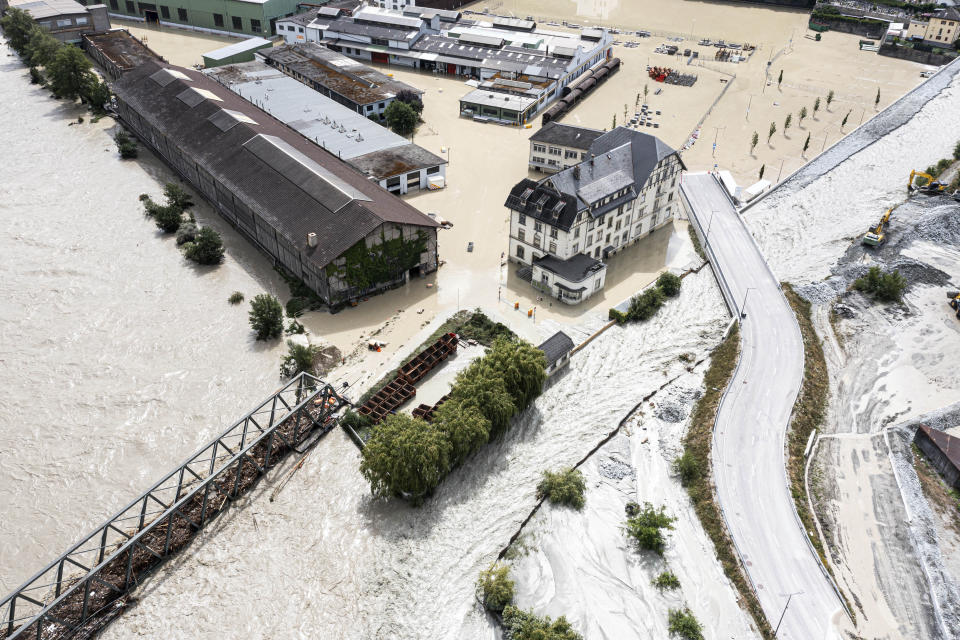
[522, 368]
[464, 426]
[405, 455]
[481, 386]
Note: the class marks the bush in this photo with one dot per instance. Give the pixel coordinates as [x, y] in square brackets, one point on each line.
[296, 306]
[645, 305]
[235, 298]
[299, 358]
[266, 316]
[666, 581]
[295, 328]
[687, 467]
[187, 233]
[495, 588]
[167, 219]
[525, 625]
[682, 623]
[405, 456]
[36, 76]
[882, 286]
[126, 145]
[96, 93]
[401, 117]
[669, 283]
[646, 528]
[564, 487]
[619, 316]
[177, 196]
[207, 248]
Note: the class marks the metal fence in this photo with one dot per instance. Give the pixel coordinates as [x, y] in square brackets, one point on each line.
[83, 587]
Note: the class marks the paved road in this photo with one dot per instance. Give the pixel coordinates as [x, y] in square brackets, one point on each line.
[748, 444]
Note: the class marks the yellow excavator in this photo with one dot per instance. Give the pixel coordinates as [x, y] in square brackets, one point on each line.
[954, 301]
[876, 236]
[931, 186]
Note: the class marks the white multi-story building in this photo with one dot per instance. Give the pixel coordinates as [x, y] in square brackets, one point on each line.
[564, 226]
[558, 146]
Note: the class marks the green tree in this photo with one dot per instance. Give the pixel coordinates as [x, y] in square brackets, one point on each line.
[646, 528]
[643, 306]
[526, 625]
[177, 196]
[69, 72]
[876, 101]
[266, 316]
[236, 297]
[845, 118]
[127, 147]
[829, 99]
[806, 143]
[772, 130]
[41, 48]
[762, 167]
[816, 106]
[801, 116]
[206, 248]
[17, 26]
[300, 358]
[682, 623]
[780, 79]
[481, 385]
[885, 286]
[786, 123]
[96, 93]
[495, 588]
[614, 125]
[411, 99]
[36, 76]
[521, 366]
[669, 283]
[401, 117]
[167, 218]
[405, 456]
[753, 141]
[563, 487]
[464, 426]
[646, 91]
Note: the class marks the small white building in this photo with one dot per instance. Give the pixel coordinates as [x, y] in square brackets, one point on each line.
[557, 350]
[563, 227]
[558, 146]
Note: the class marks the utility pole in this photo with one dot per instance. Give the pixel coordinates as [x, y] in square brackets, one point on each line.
[743, 314]
[824, 142]
[784, 612]
[749, 103]
[780, 173]
[716, 133]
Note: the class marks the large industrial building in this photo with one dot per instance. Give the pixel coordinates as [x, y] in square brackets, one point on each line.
[392, 160]
[251, 17]
[117, 51]
[323, 221]
[563, 227]
[519, 68]
[65, 20]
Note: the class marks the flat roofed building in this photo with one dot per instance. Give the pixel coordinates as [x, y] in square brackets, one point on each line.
[304, 208]
[251, 17]
[563, 227]
[117, 51]
[348, 81]
[237, 52]
[558, 146]
[503, 107]
[66, 20]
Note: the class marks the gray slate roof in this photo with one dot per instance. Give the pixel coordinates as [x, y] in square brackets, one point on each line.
[574, 269]
[556, 346]
[566, 135]
[291, 182]
[950, 13]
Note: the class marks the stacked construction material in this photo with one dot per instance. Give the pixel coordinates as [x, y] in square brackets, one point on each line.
[401, 388]
[425, 411]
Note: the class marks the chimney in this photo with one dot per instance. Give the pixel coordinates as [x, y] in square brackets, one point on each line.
[312, 239]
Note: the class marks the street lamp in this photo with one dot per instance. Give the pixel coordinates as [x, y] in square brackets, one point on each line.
[710, 224]
[743, 305]
[784, 612]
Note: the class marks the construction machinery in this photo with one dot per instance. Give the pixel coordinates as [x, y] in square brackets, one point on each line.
[954, 301]
[930, 187]
[876, 236]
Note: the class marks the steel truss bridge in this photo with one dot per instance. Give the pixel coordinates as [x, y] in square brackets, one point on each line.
[87, 586]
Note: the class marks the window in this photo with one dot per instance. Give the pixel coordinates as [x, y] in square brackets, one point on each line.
[618, 226]
[570, 154]
[433, 170]
[537, 227]
[237, 22]
[81, 21]
[536, 241]
[576, 232]
[553, 232]
[218, 19]
[164, 11]
[380, 105]
[539, 148]
[576, 248]
[589, 241]
[553, 247]
[522, 220]
[115, 5]
[181, 14]
[63, 23]
[255, 26]
[522, 235]
[596, 285]
[520, 251]
[554, 151]
[130, 7]
[609, 221]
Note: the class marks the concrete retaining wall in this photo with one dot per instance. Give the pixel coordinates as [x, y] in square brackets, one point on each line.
[909, 53]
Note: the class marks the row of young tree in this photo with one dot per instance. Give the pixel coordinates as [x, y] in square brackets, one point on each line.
[409, 457]
[62, 67]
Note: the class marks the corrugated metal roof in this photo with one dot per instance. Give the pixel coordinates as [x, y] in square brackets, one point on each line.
[40, 9]
[251, 44]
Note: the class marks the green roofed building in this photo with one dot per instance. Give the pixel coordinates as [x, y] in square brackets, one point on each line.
[252, 17]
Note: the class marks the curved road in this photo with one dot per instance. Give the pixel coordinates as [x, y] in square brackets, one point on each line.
[748, 442]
